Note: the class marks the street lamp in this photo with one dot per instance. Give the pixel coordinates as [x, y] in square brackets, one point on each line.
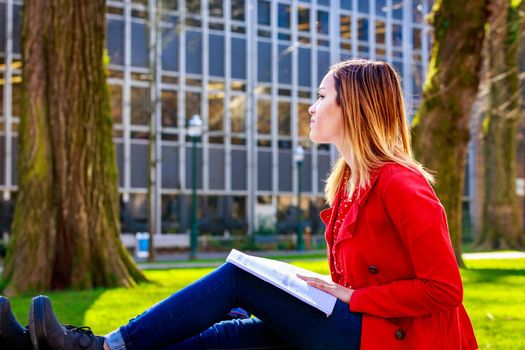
[195, 132]
[298, 157]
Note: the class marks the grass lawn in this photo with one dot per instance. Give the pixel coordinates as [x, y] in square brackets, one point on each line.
[494, 298]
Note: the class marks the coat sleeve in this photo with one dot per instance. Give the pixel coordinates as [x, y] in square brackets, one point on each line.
[420, 220]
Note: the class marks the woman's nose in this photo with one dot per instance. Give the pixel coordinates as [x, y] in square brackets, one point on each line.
[311, 109]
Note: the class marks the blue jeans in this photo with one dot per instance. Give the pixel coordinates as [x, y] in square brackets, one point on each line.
[191, 319]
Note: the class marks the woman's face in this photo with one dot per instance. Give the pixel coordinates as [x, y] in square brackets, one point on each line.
[326, 115]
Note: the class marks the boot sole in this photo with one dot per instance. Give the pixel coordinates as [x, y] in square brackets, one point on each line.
[36, 330]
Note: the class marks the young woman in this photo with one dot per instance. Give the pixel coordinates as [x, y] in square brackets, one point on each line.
[391, 261]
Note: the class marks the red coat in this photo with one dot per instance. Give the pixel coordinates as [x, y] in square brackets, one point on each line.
[394, 249]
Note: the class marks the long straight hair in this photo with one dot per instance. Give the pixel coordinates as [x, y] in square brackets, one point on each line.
[374, 123]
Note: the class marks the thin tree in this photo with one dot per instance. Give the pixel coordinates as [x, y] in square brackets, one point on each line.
[66, 224]
[441, 125]
[502, 226]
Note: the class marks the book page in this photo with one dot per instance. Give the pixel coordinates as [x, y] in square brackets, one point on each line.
[283, 276]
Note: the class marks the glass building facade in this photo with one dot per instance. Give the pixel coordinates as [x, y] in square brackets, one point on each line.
[250, 69]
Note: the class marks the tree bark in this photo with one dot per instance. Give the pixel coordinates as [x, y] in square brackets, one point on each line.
[502, 226]
[441, 125]
[66, 226]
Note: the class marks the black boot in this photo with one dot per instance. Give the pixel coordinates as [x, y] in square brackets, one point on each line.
[46, 331]
[12, 334]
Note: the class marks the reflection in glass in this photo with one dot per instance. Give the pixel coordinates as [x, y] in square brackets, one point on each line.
[115, 100]
[284, 115]
[397, 8]
[193, 6]
[216, 51]
[363, 6]
[169, 108]
[238, 111]
[238, 62]
[193, 105]
[346, 27]
[416, 35]
[169, 5]
[264, 113]
[305, 63]
[397, 35]
[381, 8]
[215, 8]
[346, 4]
[323, 22]
[284, 16]
[193, 52]
[303, 19]
[170, 49]
[362, 29]
[285, 65]
[237, 13]
[380, 32]
[417, 11]
[139, 45]
[115, 41]
[263, 12]
[215, 111]
[303, 120]
[140, 105]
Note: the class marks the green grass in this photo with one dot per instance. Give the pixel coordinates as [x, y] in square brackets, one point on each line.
[494, 298]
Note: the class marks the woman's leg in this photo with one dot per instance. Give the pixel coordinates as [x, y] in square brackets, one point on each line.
[249, 333]
[195, 308]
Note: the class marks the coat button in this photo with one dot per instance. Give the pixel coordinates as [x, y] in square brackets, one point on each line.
[400, 334]
[373, 269]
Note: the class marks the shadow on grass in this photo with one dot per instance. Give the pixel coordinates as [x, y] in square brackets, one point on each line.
[70, 306]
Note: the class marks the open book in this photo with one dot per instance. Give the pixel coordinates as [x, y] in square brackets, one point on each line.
[283, 276]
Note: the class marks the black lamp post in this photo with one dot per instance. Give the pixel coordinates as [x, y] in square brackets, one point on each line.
[195, 132]
[298, 157]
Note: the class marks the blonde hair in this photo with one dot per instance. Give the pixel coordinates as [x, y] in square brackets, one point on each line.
[375, 127]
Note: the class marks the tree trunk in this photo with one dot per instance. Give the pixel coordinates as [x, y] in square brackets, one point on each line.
[441, 125]
[502, 227]
[66, 227]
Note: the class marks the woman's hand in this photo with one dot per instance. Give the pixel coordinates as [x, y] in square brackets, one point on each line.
[340, 292]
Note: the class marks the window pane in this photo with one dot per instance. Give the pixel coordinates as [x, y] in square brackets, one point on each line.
[362, 25]
[285, 170]
[216, 60]
[115, 40]
[2, 27]
[284, 118]
[169, 5]
[170, 167]
[170, 49]
[380, 32]
[215, 8]
[17, 27]
[238, 179]
[324, 2]
[115, 99]
[303, 19]
[397, 35]
[303, 120]
[193, 52]
[169, 108]
[397, 7]
[417, 10]
[139, 164]
[381, 8]
[215, 111]
[263, 12]
[193, 6]
[237, 10]
[363, 6]
[171, 209]
[284, 16]
[238, 58]
[217, 165]
[238, 111]
[323, 24]
[264, 170]
[285, 65]
[417, 38]
[323, 63]
[264, 113]
[346, 27]
[139, 45]
[193, 105]
[346, 4]
[264, 62]
[16, 96]
[140, 103]
[305, 64]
